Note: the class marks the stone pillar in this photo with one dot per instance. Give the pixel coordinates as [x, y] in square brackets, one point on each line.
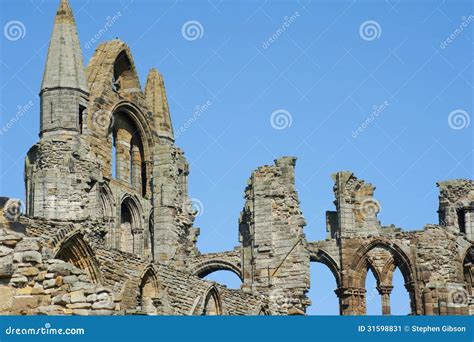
[428, 302]
[137, 234]
[351, 301]
[123, 160]
[136, 171]
[173, 211]
[385, 291]
[148, 164]
[469, 222]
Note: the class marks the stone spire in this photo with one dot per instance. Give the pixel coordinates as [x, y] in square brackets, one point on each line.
[64, 65]
[155, 95]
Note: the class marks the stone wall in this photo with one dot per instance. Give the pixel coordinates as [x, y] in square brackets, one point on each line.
[274, 255]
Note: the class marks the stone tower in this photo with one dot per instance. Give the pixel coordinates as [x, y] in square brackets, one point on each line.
[106, 151]
[59, 172]
[64, 90]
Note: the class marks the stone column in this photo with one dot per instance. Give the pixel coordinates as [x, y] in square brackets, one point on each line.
[136, 172]
[385, 291]
[469, 222]
[137, 234]
[123, 160]
[148, 164]
[351, 300]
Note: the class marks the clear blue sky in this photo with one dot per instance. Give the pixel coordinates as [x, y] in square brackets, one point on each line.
[323, 69]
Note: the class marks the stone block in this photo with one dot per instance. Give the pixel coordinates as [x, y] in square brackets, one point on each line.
[78, 296]
[22, 304]
[49, 283]
[32, 256]
[62, 269]
[70, 279]
[29, 271]
[6, 299]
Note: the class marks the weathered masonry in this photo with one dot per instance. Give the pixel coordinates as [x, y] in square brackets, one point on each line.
[108, 227]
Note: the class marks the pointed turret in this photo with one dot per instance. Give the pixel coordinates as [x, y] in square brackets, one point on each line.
[64, 65]
[64, 88]
[155, 95]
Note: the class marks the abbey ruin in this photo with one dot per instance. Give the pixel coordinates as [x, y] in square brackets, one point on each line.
[108, 226]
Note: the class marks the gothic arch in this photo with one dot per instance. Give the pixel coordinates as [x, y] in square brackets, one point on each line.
[75, 250]
[139, 119]
[131, 225]
[152, 297]
[107, 202]
[263, 311]
[325, 258]
[124, 77]
[361, 263]
[212, 303]
[209, 266]
[132, 143]
[113, 60]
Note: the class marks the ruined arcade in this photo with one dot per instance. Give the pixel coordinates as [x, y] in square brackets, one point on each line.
[108, 226]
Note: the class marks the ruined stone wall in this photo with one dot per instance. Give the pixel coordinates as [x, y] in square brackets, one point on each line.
[99, 240]
[59, 175]
[32, 283]
[274, 255]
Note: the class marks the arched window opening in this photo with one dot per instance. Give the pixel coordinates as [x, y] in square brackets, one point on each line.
[323, 298]
[127, 152]
[148, 293]
[126, 241]
[225, 277]
[212, 304]
[399, 298]
[123, 73]
[77, 252]
[373, 300]
[107, 213]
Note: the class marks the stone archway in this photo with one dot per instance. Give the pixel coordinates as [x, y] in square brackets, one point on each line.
[382, 258]
[75, 250]
[107, 205]
[212, 305]
[131, 226]
[207, 267]
[325, 258]
[152, 298]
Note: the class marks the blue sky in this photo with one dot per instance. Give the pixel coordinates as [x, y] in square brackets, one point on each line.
[334, 66]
